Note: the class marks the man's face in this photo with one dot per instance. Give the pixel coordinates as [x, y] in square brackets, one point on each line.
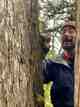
[68, 38]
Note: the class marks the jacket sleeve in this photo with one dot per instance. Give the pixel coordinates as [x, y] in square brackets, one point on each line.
[48, 71]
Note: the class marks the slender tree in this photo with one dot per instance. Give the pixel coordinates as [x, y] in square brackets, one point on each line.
[77, 57]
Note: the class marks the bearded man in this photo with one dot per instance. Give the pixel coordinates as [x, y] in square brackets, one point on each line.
[61, 70]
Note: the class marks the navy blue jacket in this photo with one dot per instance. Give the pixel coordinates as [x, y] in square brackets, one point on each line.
[62, 76]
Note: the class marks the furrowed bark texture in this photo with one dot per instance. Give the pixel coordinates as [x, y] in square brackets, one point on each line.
[20, 54]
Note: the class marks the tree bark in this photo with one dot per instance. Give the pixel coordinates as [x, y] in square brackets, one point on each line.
[33, 55]
[20, 54]
[77, 57]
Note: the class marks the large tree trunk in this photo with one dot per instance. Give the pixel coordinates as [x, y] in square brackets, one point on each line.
[20, 55]
[77, 57]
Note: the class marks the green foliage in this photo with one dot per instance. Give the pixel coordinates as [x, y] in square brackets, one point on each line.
[51, 54]
[47, 95]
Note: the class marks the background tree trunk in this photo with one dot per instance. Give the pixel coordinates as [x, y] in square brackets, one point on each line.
[20, 54]
[33, 55]
[77, 58]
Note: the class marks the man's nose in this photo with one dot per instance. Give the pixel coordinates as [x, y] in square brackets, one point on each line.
[68, 35]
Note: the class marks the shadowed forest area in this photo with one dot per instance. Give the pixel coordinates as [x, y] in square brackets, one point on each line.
[23, 25]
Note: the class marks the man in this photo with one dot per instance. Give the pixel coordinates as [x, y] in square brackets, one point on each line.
[61, 70]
